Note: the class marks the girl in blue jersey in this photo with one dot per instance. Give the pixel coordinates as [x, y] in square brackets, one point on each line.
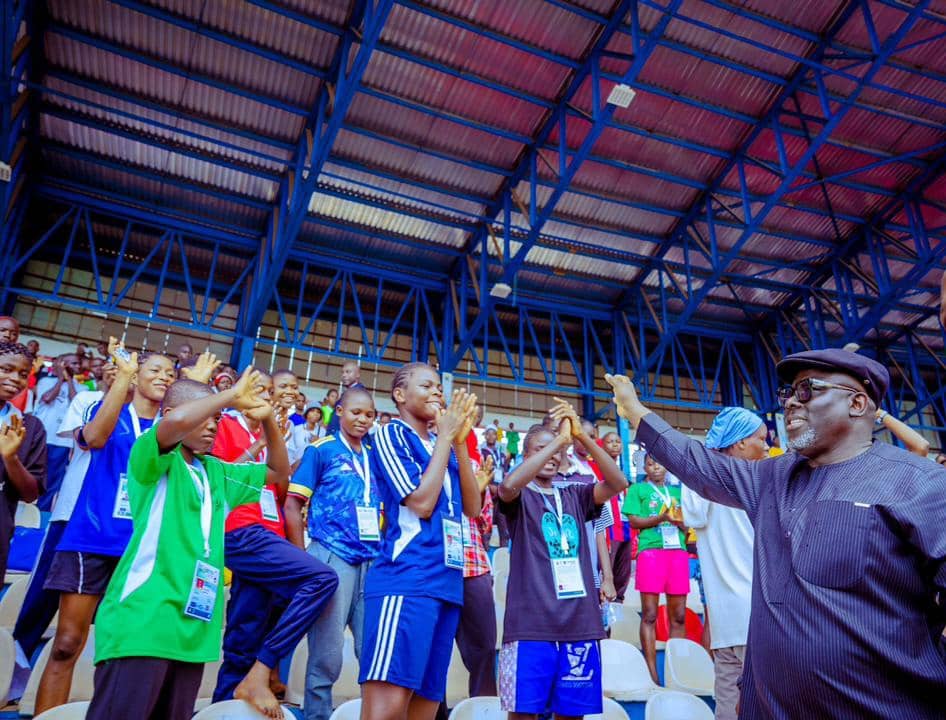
[100, 526]
[414, 590]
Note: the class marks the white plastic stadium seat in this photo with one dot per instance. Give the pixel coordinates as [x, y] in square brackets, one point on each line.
[27, 515]
[7, 663]
[81, 676]
[693, 598]
[12, 601]
[688, 667]
[69, 711]
[458, 679]
[627, 629]
[675, 705]
[478, 708]
[624, 673]
[612, 711]
[235, 710]
[500, 619]
[345, 688]
[500, 582]
[501, 561]
[350, 710]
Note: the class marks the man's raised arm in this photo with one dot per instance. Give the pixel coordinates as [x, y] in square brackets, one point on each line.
[717, 477]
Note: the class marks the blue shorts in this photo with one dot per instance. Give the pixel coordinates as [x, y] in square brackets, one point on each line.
[558, 677]
[408, 642]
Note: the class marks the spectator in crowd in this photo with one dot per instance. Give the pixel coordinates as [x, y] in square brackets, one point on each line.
[911, 439]
[580, 468]
[285, 397]
[491, 449]
[335, 478]
[328, 409]
[40, 605]
[384, 418]
[622, 539]
[311, 430]
[350, 379]
[269, 572]
[224, 379]
[850, 571]
[663, 566]
[725, 539]
[476, 632]
[550, 657]
[22, 445]
[9, 329]
[53, 395]
[414, 589]
[184, 354]
[512, 446]
[161, 617]
[101, 522]
[298, 416]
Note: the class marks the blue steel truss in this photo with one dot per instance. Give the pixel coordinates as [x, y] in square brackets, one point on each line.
[787, 169]
[853, 287]
[312, 151]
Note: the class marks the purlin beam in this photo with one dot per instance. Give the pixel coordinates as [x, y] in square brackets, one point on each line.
[602, 112]
[703, 207]
[313, 149]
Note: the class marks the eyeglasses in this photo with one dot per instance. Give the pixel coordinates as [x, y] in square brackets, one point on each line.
[803, 389]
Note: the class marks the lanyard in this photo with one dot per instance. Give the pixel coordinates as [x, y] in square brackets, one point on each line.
[558, 512]
[447, 485]
[202, 485]
[135, 423]
[363, 469]
[666, 497]
[240, 419]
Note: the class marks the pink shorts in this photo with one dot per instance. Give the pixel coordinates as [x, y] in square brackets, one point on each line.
[663, 571]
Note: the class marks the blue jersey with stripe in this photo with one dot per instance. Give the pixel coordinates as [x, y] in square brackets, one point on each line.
[411, 558]
[101, 521]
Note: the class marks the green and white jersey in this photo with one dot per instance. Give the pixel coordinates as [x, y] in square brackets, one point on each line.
[142, 612]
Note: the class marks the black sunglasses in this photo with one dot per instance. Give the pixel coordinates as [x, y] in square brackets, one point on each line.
[803, 390]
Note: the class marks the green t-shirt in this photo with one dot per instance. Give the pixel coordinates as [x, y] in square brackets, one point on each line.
[646, 500]
[142, 612]
[512, 442]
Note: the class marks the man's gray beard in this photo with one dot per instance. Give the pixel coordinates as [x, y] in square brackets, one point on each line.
[804, 441]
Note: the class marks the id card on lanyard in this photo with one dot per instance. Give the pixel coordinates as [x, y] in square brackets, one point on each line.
[566, 569]
[121, 508]
[452, 529]
[669, 533]
[202, 598]
[369, 528]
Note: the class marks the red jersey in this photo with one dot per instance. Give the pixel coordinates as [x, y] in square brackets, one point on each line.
[234, 438]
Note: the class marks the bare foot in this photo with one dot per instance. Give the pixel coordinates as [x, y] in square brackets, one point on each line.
[275, 684]
[254, 689]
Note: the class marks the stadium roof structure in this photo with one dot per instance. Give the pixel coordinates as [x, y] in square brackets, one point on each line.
[661, 181]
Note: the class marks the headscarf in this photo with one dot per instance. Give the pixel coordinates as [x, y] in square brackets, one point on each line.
[730, 426]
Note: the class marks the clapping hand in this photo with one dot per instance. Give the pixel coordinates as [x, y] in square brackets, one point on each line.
[11, 436]
[202, 370]
[248, 395]
[564, 412]
[458, 419]
[484, 475]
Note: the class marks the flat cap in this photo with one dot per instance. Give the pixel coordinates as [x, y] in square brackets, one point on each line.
[870, 373]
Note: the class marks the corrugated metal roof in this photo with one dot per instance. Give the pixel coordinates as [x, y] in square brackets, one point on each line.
[404, 183]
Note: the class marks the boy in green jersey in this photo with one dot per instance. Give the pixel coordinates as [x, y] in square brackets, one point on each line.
[161, 617]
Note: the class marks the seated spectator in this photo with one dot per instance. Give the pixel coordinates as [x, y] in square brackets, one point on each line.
[22, 445]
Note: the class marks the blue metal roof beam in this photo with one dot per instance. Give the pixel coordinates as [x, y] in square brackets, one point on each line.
[789, 173]
[602, 111]
[870, 237]
[314, 146]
